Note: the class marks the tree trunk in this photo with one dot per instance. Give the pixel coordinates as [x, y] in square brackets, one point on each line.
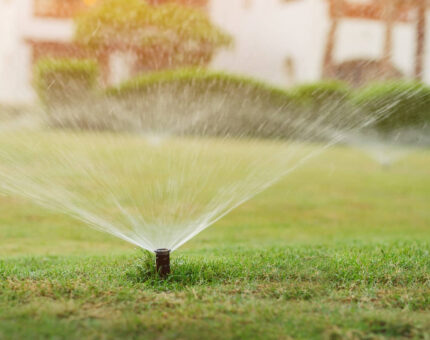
[420, 38]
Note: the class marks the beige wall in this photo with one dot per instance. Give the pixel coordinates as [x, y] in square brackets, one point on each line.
[271, 37]
[16, 25]
[269, 31]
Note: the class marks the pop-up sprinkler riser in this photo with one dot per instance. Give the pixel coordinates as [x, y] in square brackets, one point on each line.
[162, 261]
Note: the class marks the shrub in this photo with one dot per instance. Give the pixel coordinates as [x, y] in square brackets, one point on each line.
[194, 100]
[185, 34]
[321, 93]
[328, 103]
[199, 79]
[61, 81]
[405, 104]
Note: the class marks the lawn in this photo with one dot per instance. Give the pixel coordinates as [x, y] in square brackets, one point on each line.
[338, 249]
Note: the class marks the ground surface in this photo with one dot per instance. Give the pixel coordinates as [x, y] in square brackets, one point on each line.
[340, 249]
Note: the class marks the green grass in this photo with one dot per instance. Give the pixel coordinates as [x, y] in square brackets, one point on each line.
[339, 250]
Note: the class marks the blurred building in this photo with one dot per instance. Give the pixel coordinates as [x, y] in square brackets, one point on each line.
[35, 29]
[290, 41]
[389, 13]
[280, 41]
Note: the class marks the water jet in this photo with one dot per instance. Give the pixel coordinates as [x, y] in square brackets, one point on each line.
[217, 152]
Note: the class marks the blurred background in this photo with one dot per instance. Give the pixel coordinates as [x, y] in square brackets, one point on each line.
[307, 71]
[151, 120]
[283, 42]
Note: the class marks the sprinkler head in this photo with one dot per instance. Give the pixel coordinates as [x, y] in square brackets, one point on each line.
[162, 261]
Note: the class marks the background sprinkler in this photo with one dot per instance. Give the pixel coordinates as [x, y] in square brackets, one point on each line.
[162, 261]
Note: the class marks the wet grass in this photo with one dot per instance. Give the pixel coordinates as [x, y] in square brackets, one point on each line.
[338, 250]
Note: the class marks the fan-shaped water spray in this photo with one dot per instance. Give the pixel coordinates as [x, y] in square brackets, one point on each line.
[207, 159]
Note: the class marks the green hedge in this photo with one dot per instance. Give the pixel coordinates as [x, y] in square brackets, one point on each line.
[202, 80]
[327, 99]
[194, 100]
[405, 104]
[327, 103]
[321, 93]
[215, 102]
[61, 81]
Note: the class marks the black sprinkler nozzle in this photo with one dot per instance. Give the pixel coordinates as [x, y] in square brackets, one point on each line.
[162, 261]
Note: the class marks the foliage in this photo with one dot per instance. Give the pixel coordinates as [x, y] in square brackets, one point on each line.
[249, 104]
[60, 81]
[321, 93]
[181, 32]
[325, 98]
[199, 78]
[406, 104]
[328, 103]
[226, 104]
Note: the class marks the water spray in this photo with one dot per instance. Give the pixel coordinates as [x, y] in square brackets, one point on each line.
[162, 261]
